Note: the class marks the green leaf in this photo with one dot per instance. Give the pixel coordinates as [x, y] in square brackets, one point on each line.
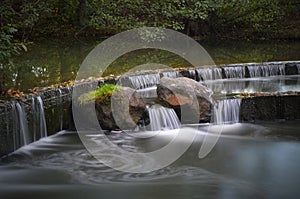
[24, 47]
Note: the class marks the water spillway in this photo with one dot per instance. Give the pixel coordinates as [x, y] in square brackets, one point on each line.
[162, 118]
[209, 74]
[172, 74]
[39, 120]
[149, 92]
[69, 170]
[244, 70]
[140, 81]
[20, 126]
[27, 120]
[23, 134]
[48, 112]
[266, 70]
[234, 72]
[147, 79]
[227, 111]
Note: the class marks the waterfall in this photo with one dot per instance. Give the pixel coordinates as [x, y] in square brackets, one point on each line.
[192, 74]
[144, 81]
[217, 73]
[172, 74]
[148, 92]
[210, 73]
[20, 126]
[205, 74]
[43, 125]
[162, 118]
[266, 70]
[39, 121]
[227, 111]
[281, 69]
[34, 118]
[234, 72]
[61, 109]
[298, 67]
[277, 69]
[272, 70]
[254, 71]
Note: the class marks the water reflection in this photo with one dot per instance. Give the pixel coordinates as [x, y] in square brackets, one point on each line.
[48, 62]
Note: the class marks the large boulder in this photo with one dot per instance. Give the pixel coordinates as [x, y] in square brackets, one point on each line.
[123, 111]
[184, 94]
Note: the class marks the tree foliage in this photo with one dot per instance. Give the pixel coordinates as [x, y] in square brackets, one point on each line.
[81, 17]
[22, 20]
[256, 16]
[126, 14]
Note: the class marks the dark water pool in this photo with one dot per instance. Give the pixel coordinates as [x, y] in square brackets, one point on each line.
[249, 161]
[53, 61]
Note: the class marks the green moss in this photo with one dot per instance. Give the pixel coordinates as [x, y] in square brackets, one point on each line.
[103, 94]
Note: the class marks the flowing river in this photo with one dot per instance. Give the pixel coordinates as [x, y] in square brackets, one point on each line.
[248, 161]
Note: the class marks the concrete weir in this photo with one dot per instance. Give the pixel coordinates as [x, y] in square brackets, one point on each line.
[244, 70]
[26, 120]
[270, 108]
[43, 114]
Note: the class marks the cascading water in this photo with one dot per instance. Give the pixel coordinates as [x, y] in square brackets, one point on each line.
[148, 92]
[298, 67]
[266, 70]
[144, 81]
[43, 125]
[61, 109]
[162, 118]
[205, 74]
[227, 111]
[172, 74]
[234, 72]
[39, 121]
[20, 126]
[34, 118]
[192, 74]
[282, 69]
[210, 73]
[217, 73]
[271, 70]
[70, 90]
[254, 71]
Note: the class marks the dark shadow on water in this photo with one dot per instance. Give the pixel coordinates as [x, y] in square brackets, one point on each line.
[50, 61]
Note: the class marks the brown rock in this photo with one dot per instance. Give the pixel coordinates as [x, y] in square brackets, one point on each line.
[186, 93]
[124, 111]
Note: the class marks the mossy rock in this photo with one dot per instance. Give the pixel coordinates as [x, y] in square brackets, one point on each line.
[116, 107]
[102, 94]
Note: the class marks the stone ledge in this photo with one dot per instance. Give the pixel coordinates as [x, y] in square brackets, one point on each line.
[270, 108]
